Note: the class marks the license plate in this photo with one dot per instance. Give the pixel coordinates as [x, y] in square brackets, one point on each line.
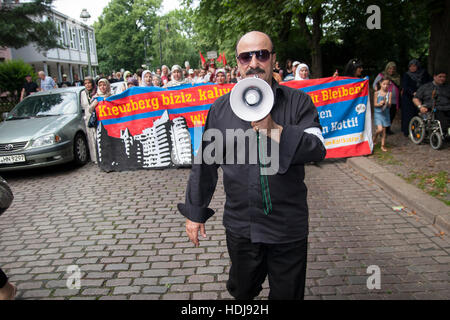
[12, 159]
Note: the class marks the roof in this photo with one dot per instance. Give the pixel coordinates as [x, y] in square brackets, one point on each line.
[59, 90]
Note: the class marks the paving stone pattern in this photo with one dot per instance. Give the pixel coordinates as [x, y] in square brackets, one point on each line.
[123, 231]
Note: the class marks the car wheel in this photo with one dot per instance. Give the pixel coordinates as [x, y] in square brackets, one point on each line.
[80, 150]
[416, 130]
[436, 140]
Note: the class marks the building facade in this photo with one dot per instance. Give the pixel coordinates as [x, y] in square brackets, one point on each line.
[72, 59]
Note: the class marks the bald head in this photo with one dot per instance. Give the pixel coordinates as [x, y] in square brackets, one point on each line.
[254, 36]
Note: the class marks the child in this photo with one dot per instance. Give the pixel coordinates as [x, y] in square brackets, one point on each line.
[382, 103]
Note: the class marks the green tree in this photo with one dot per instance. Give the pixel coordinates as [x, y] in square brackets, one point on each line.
[121, 32]
[173, 40]
[326, 34]
[22, 24]
[290, 23]
[12, 77]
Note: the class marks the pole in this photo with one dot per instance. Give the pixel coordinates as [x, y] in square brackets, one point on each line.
[160, 46]
[88, 50]
[145, 49]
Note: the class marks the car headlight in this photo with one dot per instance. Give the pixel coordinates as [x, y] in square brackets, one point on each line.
[46, 140]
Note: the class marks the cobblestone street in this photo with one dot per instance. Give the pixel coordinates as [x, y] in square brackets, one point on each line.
[125, 234]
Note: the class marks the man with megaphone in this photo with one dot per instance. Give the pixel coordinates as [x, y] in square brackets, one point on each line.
[265, 214]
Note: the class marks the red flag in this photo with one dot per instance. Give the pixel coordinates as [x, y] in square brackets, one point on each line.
[219, 59]
[201, 57]
[224, 60]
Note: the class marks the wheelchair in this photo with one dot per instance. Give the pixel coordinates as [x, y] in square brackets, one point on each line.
[425, 126]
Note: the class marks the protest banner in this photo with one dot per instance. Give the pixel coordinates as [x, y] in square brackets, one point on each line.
[150, 127]
[343, 105]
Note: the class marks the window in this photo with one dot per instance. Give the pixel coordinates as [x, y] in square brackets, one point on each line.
[91, 43]
[61, 26]
[82, 40]
[73, 38]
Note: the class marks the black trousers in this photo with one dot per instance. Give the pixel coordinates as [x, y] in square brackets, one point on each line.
[284, 264]
[3, 279]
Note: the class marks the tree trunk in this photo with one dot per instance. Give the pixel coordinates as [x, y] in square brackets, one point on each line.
[316, 49]
[438, 58]
[313, 37]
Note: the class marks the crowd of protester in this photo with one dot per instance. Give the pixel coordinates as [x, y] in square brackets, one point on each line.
[394, 93]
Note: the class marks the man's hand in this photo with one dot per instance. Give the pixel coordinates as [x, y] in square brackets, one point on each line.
[423, 109]
[192, 229]
[266, 125]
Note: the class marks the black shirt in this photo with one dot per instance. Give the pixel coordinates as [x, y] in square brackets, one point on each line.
[441, 97]
[30, 87]
[64, 84]
[243, 212]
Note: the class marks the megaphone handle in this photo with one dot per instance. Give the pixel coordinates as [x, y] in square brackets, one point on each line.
[267, 202]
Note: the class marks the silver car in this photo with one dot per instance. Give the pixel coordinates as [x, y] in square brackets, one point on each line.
[46, 128]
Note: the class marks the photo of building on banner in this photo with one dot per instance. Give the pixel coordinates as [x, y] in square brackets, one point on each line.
[156, 128]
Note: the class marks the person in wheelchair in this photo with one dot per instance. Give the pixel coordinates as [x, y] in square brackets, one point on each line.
[435, 97]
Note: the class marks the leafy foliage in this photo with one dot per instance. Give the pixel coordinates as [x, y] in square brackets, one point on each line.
[12, 76]
[23, 24]
[175, 31]
[121, 31]
[129, 33]
[338, 26]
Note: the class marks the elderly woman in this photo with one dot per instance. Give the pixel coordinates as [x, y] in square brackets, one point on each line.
[103, 91]
[87, 97]
[390, 73]
[164, 75]
[147, 78]
[177, 77]
[156, 80]
[411, 81]
[220, 76]
[132, 82]
[302, 72]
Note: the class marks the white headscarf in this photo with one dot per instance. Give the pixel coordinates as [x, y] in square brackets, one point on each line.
[108, 88]
[297, 71]
[143, 79]
[173, 82]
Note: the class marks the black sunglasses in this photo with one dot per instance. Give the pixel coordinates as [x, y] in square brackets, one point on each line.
[261, 55]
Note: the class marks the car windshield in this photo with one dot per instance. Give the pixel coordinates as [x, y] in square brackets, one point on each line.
[44, 106]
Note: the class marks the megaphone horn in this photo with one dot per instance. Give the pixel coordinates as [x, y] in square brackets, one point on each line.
[251, 99]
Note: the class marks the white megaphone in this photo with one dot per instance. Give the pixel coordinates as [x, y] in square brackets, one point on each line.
[251, 99]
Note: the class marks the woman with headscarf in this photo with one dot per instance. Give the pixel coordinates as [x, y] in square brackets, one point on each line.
[302, 72]
[177, 77]
[221, 76]
[411, 81]
[103, 91]
[87, 97]
[126, 76]
[147, 78]
[390, 73]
